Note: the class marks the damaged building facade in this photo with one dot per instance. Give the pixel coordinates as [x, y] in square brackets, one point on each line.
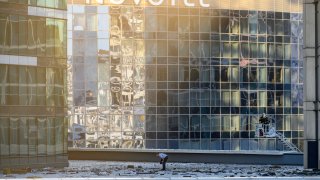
[173, 76]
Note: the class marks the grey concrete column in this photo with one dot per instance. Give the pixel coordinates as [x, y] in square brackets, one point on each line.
[311, 84]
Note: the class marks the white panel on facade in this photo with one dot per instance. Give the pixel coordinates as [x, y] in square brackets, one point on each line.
[18, 60]
[4, 59]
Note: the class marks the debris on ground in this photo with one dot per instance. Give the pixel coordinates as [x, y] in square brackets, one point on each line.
[98, 169]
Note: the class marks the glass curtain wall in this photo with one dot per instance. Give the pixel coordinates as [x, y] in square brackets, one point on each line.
[33, 114]
[176, 77]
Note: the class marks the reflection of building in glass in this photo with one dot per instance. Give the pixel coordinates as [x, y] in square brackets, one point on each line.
[172, 77]
[33, 51]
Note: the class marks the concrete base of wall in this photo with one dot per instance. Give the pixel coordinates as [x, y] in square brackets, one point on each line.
[34, 162]
[223, 157]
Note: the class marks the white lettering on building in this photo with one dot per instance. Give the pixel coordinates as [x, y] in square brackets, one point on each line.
[173, 2]
[118, 2]
[202, 4]
[156, 3]
[188, 4]
[137, 2]
[159, 2]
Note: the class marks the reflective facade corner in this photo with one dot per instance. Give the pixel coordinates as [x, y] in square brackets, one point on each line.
[176, 77]
[33, 84]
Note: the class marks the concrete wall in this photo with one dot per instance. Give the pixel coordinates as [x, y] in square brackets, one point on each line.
[311, 102]
[223, 157]
[38, 161]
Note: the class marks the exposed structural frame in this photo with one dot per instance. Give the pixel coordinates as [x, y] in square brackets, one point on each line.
[311, 84]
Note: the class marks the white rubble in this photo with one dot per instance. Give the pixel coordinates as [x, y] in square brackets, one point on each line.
[108, 169]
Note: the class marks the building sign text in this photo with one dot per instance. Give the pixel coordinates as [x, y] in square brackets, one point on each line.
[159, 2]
